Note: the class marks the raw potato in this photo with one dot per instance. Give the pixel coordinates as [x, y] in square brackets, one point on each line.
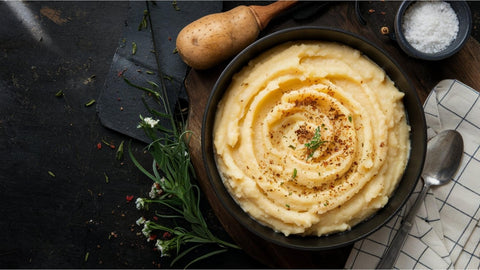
[216, 37]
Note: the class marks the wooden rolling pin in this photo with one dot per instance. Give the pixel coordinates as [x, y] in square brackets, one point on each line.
[214, 38]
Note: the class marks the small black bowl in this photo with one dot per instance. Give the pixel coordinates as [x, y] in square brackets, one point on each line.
[415, 117]
[464, 16]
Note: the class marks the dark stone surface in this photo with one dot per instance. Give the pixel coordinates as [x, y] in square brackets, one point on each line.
[58, 209]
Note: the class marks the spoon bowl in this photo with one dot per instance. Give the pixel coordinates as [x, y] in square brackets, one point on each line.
[444, 152]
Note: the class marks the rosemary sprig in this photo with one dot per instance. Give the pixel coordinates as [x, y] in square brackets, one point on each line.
[314, 143]
[172, 188]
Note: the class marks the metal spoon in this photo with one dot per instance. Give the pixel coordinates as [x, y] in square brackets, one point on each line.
[444, 152]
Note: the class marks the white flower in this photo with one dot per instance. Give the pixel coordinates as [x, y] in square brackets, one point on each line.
[140, 221]
[150, 121]
[155, 191]
[146, 229]
[164, 247]
[140, 203]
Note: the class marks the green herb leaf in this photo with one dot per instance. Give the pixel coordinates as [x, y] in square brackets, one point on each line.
[294, 173]
[314, 143]
[90, 103]
[175, 6]
[59, 93]
[143, 23]
[134, 48]
[172, 171]
[119, 154]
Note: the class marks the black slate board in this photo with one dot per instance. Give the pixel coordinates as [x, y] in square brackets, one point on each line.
[120, 104]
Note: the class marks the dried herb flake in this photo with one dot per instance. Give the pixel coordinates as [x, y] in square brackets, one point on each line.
[90, 103]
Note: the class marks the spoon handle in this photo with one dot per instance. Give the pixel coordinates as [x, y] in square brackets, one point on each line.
[390, 256]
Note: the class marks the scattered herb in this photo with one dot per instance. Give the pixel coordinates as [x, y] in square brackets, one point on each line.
[107, 179]
[314, 143]
[59, 93]
[134, 47]
[175, 51]
[90, 103]
[287, 205]
[294, 173]
[105, 142]
[293, 147]
[150, 72]
[172, 174]
[146, 90]
[119, 154]
[89, 79]
[175, 6]
[350, 118]
[123, 42]
[51, 173]
[86, 256]
[143, 23]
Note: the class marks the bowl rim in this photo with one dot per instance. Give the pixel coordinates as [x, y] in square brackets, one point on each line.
[335, 240]
[449, 51]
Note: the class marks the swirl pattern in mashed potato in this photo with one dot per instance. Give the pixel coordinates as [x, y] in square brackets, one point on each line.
[311, 138]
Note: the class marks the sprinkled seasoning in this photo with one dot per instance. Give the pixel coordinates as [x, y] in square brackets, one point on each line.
[430, 26]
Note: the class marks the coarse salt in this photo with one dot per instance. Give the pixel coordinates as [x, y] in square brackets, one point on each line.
[430, 26]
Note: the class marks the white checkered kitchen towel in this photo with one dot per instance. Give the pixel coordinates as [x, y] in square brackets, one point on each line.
[446, 233]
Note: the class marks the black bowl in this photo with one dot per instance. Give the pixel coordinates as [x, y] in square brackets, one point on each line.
[415, 118]
[464, 16]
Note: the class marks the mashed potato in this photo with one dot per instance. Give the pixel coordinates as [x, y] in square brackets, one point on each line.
[311, 138]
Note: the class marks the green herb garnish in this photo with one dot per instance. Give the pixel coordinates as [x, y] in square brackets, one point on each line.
[175, 6]
[119, 153]
[172, 174]
[294, 173]
[134, 48]
[59, 93]
[143, 23]
[350, 118]
[90, 103]
[314, 143]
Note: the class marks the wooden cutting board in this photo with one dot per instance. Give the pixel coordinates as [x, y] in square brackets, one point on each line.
[464, 66]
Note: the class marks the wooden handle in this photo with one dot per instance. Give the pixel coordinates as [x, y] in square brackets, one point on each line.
[263, 14]
[214, 38]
